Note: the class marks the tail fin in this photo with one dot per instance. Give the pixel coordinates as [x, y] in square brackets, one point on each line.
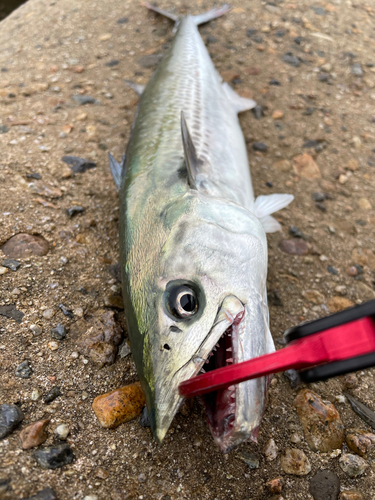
[200, 19]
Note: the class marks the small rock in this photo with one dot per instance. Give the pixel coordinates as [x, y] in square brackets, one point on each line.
[84, 99]
[351, 495]
[352, 271]
[295, 438]
[52, 395]
[359, 441]
[3, 270]
[332, 270]
[325, 485]
[3, 129]
[352, 465]
[24, 370]
[78, 165]
[294, 247]
[44, 494]
[260, 146]
[119, 406]
[230, 75]
[275, 485]
[35, 395]
[322, 425]
[336, 304]
[144, 420]
[36, 330]
[59, 332]
[317, 196]
[289, 58]
[314, 296]
[282, 166]
[114, 300]
[352, 165]
[11, 264]
[356, 69]
[66, 312]
[293, 377]
[11, 311]
[25, 245]
[34, 434]
[295, 232]
[149, 61]
[274, 298]
[53, 457]
[294, 461]
[53, 346]
[101, 473]
[258, 111]
[112, 63]
[10, 417]
[364, 204]
[124, 350]
[62, 431]
[277, 114]
[76, 209]
[305, 166]
[270, 450]
[250, 460]
[48, 313]
[350, 381]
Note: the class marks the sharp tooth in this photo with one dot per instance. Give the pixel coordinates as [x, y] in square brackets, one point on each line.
[206, 362]
[229, 360]
[229, 349]
[217, 345]
[202, 370]
[231, 387]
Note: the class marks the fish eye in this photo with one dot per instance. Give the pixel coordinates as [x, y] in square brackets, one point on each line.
[183, 302]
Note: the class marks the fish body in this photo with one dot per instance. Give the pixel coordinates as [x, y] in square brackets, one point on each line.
[193, 242]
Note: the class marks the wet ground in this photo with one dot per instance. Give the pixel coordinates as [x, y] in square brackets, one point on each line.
[312, 71]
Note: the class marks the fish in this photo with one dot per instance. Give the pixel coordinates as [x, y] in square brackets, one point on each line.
[193, 247]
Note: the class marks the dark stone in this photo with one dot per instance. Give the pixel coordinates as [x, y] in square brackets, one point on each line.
[59, 332]
[275, 82]
[24, 370]
[332, 270]
[66, 312]
[112, 63]
[122, 20]
[251, 32]
[44, 494]
[250, 460]
[10, 417]
[3, 129]
[294, 231]
[150, 60]
[53, 457]
[294, 247]
[356, 69]
[52, 395]
[311, 143]
[361, 222]
[10, 311]
[325, 485]
[317, 196]
[269, 184]
[298, 40]
[289, 58]
[84, 99]
[211, 39]
[144, 420]
[319, 11]
[115, 271]
[11, 264]
[260, 146]
[72, 211]
[274, 298]
[308, 111]
[321, 206]
[258, 111]
[359, 268]
[258, 39]
[293, 377]
[323, 77]
[280, 33]
[78, 165]
[5, 487]
[34, 175]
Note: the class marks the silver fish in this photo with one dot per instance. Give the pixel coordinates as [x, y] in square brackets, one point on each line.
[192, 238]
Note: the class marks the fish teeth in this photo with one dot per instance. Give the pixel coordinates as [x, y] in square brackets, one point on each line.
[217, 345]
[231, 387]
[229, 349]
[202, 370]
[229, 360]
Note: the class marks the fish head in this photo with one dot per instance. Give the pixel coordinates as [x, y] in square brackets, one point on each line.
[210, 310]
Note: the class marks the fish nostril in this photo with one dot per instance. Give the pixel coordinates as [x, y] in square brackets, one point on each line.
[166, 347]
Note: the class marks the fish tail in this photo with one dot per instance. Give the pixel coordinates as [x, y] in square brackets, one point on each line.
[200, 19]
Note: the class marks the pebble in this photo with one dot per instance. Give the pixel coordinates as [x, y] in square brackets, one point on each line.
[317, 196]
[258, 111]
[53, 457]
[76, 209]
[305, 166]
[78, 165]
[36, 330]
[114, 300]
[364, 204]
[270, 450]
[351, 495]
[44, 494]
[332, 270]
[53, 346]
[282, 166]
[124, 349]
[295, 232]
[11, 264]
[294, 461]
[62, 431]
[325, 485]
[4, 129]
[66, 311]
[3, 270]
[289, 58]
[359, 441]
[352, 271]
[119, 406]
[11, 311]
[295, 438]
[24, 370]
[59, 332]
[352, 165]
[293, 377]
[100, 341]
[336, 304]
[277, 114]
[84, 99]
[275, 485]
[260, 146]
[250, 460]
[356, 69]
[24, 245]
[34, 434]
[294, 247]
[322, 425]
[352, 465]
[144, 420]
[149, 60]
[35, 395]
[350, 381]
[314, 296]
[101, 473]
[48, 313]
[52, 395]
[10, 416]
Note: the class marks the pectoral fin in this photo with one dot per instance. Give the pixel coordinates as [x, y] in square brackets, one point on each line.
[116, 169]
[266, 205]
[192, 161]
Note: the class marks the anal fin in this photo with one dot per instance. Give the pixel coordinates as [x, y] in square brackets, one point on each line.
[137, 87]
[265, 205]
[116, 169]
[239, 103]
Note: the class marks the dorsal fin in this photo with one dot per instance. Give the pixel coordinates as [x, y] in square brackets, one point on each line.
[192, 161]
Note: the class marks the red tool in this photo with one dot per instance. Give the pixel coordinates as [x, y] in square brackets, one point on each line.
[327, 347]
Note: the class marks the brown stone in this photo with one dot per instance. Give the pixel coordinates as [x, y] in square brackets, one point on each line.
[305, 166]
[34, 434]
[294, 247]
[275, 485]
[351, 495]
[100, 339]
[277, 114]
[352, 165]
[322, 425]
[314, 296]
[295, 462]
[282, 166]
[24, 245]
[253, 70]
[101, 473]
[114, 300]
[230, 75]
[360, 441]
[336, 304]
[119, 406]
[350, 381]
